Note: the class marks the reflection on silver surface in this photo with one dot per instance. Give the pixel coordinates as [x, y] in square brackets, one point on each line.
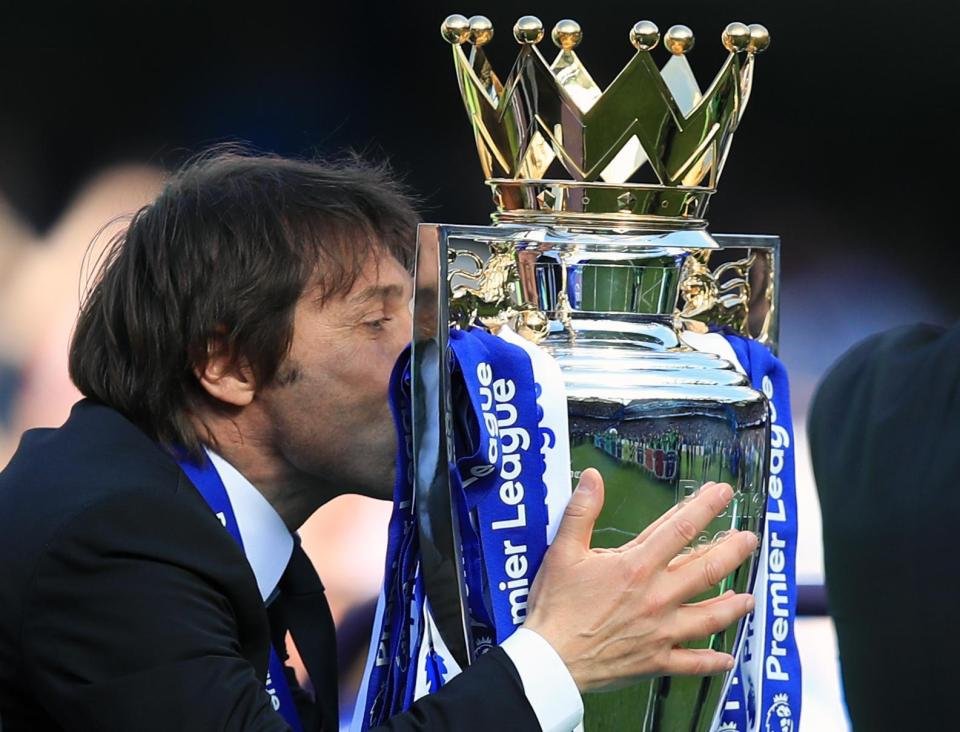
[659, 421]
[656, 417]
[440, 561]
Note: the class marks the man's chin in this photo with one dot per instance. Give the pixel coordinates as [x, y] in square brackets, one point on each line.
[381, 493]
[379, 487]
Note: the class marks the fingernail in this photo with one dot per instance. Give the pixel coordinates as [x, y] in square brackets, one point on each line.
[587, 484]
[726, 492]
[750, 603]
[729, 663]
[749, 539]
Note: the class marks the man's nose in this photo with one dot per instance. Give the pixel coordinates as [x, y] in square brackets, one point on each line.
[404, 332]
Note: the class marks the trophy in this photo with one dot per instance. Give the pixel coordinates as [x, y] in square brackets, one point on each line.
[599, 255]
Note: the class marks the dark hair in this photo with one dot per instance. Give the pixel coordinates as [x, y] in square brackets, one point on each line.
[223, 254]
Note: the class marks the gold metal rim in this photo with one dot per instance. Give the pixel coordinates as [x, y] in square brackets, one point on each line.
[600, 221]
[550, 183]
[636, 207]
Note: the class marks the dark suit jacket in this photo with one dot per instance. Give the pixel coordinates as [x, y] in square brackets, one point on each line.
[124, 605]
[885, 440]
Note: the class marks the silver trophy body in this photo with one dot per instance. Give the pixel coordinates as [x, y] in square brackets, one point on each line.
[657, 417]
[615, 278]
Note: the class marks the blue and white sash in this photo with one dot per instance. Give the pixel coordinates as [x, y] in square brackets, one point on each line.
[765, 690]
[208, 483]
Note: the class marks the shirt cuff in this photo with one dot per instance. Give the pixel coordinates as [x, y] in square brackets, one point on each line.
[547, 683]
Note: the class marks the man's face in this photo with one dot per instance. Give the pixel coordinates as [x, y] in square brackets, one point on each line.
[328, 408]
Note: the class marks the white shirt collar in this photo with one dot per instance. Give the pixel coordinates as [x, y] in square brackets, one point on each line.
[266, 541]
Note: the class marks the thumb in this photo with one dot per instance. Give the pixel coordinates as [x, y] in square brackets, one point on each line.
[581, 513]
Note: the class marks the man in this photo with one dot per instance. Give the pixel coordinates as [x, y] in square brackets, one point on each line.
[248, 322]
[884, 430]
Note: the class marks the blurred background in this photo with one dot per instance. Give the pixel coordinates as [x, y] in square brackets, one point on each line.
[837, 154]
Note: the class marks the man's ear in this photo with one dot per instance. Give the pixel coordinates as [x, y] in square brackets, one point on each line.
[225, 377]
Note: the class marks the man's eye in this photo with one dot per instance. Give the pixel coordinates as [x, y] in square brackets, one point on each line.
[377, 324]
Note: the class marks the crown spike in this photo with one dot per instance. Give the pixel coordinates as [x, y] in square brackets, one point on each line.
[678, 40]
[481, 30]
[528, 30]
[645, 35]
[759, 39]
[567, 35]
[455, 29]
[736, 37]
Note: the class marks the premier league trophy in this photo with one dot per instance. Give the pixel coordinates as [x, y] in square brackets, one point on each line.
[598, 259]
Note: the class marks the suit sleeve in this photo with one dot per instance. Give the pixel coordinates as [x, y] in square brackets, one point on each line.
[130, 623]
[487, 696]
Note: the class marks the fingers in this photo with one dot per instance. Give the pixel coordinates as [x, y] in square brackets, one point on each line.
[688, 554]
[709, 568]
[581, 513]
[718, 598]
[700, 621]
[642, 536]
[697, 662]
[682, 527]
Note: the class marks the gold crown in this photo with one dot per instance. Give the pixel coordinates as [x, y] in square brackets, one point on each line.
[546, 117]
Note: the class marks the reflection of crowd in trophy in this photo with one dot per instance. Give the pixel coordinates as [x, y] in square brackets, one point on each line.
[660, 457]
[667, 456]
[663, 454]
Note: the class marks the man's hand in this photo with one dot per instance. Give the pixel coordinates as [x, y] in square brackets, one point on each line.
[618, 615]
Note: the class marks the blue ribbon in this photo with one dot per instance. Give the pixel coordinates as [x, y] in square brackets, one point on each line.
[502, 517]
[765, 691]
[208, 483]
[390, 681]
[502, 480]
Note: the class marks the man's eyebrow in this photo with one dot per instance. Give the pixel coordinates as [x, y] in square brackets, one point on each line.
[378, 291]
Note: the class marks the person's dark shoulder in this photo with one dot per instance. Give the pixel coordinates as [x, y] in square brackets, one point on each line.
[893, 365]
[123, 597]
[62, 477]
[897, 384]
[96, 454]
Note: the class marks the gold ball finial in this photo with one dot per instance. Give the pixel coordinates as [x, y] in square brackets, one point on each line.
[567, 34]
[759, 39]
[678, 40]
[645, 35]
[455, 29]
[736, 37]
[528, 30]
[481, 30]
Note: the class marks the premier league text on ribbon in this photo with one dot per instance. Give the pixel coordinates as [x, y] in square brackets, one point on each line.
[776, 559]
[500, 419]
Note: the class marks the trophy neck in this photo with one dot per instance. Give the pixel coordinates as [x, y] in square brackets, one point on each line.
[633, 284]
[612, 297]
